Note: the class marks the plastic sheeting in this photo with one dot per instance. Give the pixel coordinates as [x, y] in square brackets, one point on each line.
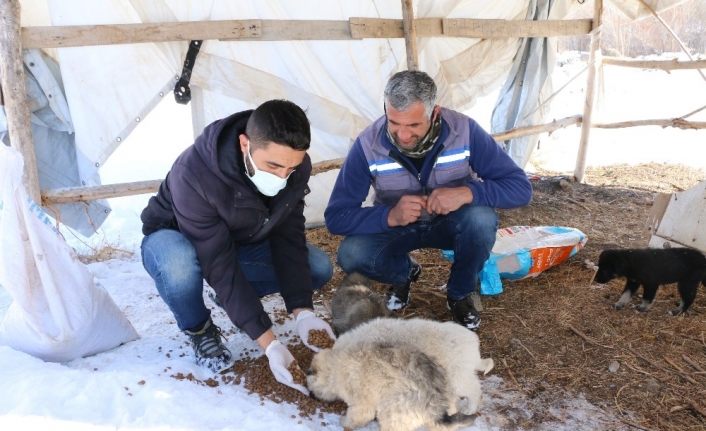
[55, 149]
[110, 89]
[519, 102]
[634, 9]
[57, 313]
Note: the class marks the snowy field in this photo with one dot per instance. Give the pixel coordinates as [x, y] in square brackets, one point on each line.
[131, 386]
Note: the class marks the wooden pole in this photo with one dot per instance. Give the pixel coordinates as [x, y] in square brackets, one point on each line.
[12, 80]
[593, 65]
[655, 64]
[537, 129]
[80, 194]
[410, 35]
[355, 28]
[679, 123]
[91, 193]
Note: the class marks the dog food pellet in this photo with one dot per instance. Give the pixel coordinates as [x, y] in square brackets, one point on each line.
[297, 374]
[320, 339]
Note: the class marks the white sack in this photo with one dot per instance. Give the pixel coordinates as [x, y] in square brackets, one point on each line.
[57, 313]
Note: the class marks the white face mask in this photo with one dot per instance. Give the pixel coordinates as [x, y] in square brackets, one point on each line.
[268, 184]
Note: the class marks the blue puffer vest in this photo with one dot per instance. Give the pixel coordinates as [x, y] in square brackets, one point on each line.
[450, 167]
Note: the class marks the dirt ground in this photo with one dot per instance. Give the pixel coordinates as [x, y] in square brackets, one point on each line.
[556, 331]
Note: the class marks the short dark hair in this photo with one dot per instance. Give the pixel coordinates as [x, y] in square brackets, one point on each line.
[281, 122]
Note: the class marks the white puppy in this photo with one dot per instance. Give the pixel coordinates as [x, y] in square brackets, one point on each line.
[400, 386]
[453, 347]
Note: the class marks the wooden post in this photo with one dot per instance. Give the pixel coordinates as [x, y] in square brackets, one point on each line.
[410, 35]
[593, 65]
[12, 81]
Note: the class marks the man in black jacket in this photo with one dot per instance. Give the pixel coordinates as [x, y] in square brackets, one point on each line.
[231, 211]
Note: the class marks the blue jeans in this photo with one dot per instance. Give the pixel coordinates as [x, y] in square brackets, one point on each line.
[468, 231]
[171, 261]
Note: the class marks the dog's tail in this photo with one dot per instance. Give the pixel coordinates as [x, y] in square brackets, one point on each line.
[485, 365]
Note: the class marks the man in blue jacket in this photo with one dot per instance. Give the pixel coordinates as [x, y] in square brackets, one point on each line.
[231, 211]
[437, 177]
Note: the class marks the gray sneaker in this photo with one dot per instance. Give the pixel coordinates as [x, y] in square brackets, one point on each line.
[209, 349]
[398, 295]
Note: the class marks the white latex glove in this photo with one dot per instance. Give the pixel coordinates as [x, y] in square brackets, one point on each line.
[280, 359]
[307, 321]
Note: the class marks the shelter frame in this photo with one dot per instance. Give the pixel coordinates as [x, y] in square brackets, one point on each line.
[14, 38]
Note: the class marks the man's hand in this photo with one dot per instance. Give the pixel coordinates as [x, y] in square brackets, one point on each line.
[445, 200]
[407, 210]
[307, 321]
[280, 360]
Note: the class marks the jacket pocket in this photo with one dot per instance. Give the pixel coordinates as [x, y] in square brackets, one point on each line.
[451, 175]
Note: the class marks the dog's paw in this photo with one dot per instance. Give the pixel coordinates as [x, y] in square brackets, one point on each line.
[643, 308]
[618, 305]
[675, 311]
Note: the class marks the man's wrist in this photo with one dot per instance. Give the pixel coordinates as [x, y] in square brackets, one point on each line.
[265, 339]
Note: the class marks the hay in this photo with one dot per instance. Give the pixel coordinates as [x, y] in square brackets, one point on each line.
[557, 335]
[559, 331]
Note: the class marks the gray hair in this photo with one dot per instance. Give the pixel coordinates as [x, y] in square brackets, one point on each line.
[408, 87]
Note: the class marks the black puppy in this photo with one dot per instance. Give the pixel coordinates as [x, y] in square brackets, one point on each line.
[651, 267]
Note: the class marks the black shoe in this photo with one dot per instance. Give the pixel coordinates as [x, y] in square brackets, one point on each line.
[464, 313]
[398, 295]
[209, 349]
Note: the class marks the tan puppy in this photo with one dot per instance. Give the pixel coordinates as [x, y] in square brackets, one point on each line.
[397, 384]
[453, 347]
[354, 303]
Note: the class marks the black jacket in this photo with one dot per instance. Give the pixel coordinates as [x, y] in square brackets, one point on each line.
[208, 198]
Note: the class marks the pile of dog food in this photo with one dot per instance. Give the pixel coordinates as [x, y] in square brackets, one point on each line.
[320, 339]
[255, 375]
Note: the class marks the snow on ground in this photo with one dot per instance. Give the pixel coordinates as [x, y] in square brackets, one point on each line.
[131, 386]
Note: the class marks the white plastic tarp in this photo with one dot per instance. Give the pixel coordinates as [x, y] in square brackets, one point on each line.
[57, 313]
[110, 89]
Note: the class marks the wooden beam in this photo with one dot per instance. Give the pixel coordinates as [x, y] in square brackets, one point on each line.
[591, 88]
[271, 30]
[326, 165]
[375, 28]
[673, 122]
[106, 34]
[78, 194]
[499, 28]
[537, 129]
[410, 35]
[655, 64]
[12, 80]
[303, 30]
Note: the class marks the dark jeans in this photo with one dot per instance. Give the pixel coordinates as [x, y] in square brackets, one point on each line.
[468, 231]
[171, 261]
